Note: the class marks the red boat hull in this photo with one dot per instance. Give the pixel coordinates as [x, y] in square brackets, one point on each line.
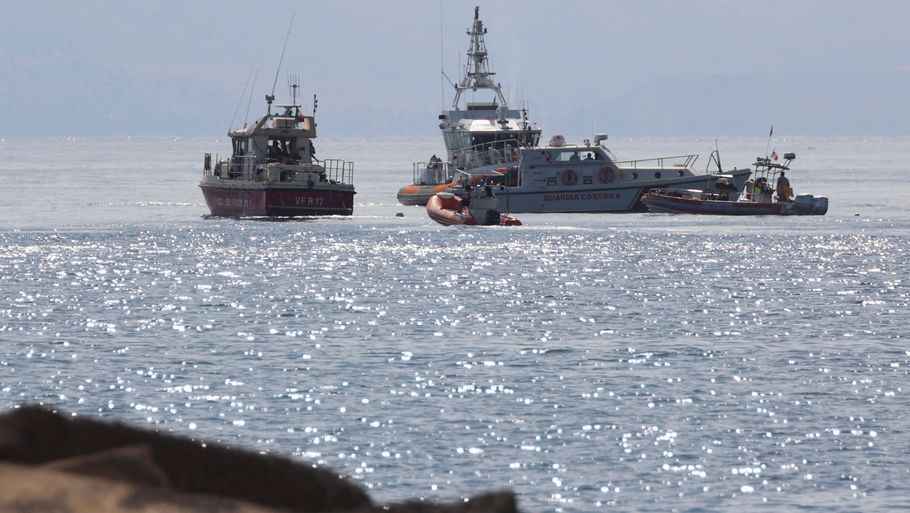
[278, 202]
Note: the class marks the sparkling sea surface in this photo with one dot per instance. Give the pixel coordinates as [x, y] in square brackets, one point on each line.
[624, 362]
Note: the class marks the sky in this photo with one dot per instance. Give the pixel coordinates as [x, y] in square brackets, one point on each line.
[647, 67]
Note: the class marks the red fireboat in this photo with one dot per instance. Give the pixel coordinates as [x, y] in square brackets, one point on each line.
[273, 170]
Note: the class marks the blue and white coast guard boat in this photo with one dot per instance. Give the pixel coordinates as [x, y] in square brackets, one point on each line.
[563, 178]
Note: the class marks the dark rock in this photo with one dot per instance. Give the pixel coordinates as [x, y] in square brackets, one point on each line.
[82, 465]
[36, 436]
[133, 464]
[494, 502]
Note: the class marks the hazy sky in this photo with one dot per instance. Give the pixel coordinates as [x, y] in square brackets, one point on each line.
[636, 67]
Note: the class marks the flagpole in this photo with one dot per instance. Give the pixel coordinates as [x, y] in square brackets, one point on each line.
[768, 148]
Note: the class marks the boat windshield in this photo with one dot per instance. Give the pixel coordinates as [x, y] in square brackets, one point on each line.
[240, 145]
[282, 148]
[577, 155]
[491, 153]
[481, 179]
[522, 138]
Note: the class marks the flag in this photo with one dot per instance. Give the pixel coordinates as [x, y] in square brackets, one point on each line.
[771, 132]
[773, 155]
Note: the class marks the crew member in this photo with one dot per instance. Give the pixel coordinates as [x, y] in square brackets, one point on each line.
[783, 187]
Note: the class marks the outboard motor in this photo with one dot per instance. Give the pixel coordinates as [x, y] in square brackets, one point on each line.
[802, 204]
[819, 206]
[492, 217]
[483, 208]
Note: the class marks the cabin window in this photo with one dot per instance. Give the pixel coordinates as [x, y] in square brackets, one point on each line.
[527, 138]
[282, 148]
[657, 174]
[576, 156]
[635, 176]
[240, 146]
[681, 173]
[477, 140]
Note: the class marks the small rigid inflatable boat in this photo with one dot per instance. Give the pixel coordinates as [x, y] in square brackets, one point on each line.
[480, 209]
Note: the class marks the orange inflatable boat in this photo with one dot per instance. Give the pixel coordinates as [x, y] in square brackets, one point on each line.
[479, 209]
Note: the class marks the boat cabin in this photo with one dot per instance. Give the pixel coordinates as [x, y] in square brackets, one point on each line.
[284, 137]
[488, 121]
[280, 138]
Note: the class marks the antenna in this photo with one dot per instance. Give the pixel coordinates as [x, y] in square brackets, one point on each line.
[442, 68]
[715, 157]
[450, 81]
[294, 84]
[768, 148]
[240, 100]
[247, 116]
[270, 98]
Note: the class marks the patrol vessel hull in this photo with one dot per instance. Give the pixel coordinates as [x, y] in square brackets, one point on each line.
[603, 199]
[277, 202]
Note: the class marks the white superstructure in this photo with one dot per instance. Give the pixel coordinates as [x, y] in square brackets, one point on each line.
[489, 122]
[485, 122]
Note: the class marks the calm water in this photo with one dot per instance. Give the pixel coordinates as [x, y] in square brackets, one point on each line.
[634, 362]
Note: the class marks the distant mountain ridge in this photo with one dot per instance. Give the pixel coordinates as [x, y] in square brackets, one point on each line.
[870, 103]
[846, 103]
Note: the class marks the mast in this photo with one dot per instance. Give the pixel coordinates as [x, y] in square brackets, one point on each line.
[477, 73]
[294, 85]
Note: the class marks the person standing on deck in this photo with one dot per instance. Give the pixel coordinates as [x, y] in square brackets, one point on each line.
[783, 187]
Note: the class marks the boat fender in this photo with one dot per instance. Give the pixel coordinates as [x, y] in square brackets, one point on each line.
[605, 174]
[569, 177]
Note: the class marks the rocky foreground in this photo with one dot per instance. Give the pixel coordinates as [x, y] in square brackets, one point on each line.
[53, 462]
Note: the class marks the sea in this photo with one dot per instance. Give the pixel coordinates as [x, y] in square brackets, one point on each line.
[587, 362]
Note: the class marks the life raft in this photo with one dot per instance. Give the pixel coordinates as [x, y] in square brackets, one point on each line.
[605, 174]
[569, 177]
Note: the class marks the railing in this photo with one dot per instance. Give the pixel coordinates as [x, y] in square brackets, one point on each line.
[237, 168]
[485, 154]
[423, 174]
[339, 171]
[248, 168]
[687, 161]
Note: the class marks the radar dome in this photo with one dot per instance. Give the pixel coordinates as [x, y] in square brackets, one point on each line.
[557, 141]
